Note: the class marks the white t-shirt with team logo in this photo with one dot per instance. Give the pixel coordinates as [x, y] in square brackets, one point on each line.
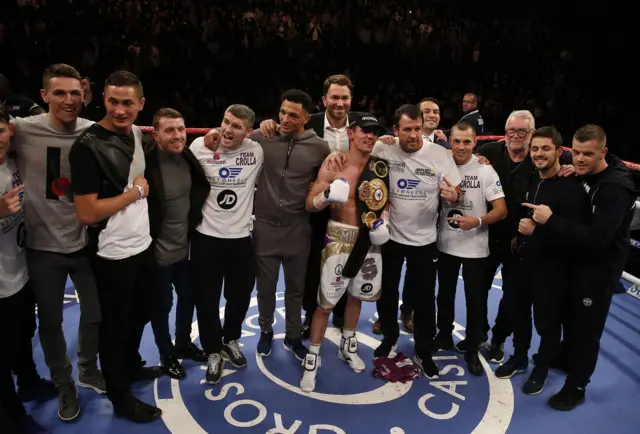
[481, 185]
[414, 189]
[232, 175]
[13, 256]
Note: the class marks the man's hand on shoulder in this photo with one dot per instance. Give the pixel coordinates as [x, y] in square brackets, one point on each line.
[335, 161]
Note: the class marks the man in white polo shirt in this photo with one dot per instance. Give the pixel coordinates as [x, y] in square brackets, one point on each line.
[221, 246]
[463, 239]
[420, 174]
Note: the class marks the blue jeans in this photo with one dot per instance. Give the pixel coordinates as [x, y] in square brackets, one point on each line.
[174, 275]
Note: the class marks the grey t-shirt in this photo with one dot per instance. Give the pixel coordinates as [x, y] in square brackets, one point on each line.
[172, 244]
[43, 160]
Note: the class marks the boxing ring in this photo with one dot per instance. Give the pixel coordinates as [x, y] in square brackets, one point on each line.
[265, 398]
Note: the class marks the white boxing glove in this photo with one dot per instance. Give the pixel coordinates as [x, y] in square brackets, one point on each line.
[379, 233]
[336, 192]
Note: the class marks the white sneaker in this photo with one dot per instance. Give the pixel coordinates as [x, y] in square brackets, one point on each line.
[311, 364]
[348, 352]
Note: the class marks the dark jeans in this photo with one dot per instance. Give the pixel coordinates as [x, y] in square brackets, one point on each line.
[215, 261]
[422, 262]
[167, 277]
[501, 254]
[475, 290]
[17, 321]
[124, 290]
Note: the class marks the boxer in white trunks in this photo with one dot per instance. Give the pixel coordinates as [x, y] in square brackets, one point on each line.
[351, 260]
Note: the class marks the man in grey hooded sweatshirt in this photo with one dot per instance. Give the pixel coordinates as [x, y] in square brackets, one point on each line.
[281, 233]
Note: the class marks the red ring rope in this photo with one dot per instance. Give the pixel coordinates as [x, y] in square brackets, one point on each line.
[203, 131]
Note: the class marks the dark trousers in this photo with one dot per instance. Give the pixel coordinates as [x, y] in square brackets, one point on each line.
[318, 223]
[409, 287]
[124, 289]
[166, 278]
[590, 296]
[542, 285]
[274, 246]
[215, 261]
[501, 254]
[475, 290]
[422, 262]
[17, 321]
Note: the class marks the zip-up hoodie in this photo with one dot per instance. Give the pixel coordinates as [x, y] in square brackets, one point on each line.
[567, 198]
[612, 195]
[515, 179]
[291, 165]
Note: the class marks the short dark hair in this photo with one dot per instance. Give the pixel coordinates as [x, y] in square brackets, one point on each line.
[409, 110]
[429, 99]
[58, 70]
[549, 132]
[4, 114]
[464, 126]
[124, 79]
[243, 112]
[299, 97]
[340, 80]
[165, 113]
[475, 96]
[591, 132]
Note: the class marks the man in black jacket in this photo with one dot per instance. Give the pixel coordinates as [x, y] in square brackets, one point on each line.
[178, 189]
[330, 125]
[538, 249]
[606, 238]
[510, 158]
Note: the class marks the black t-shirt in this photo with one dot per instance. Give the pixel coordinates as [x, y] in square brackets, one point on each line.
[100, 162]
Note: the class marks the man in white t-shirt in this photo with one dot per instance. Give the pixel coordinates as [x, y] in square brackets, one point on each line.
[463, 239]
[221, 248]
[110, 194]
[420, 173]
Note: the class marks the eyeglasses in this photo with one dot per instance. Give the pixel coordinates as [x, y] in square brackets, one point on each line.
[519, 133]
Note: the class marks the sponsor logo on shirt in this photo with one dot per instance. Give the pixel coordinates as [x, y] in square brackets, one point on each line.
[425, 171]
[229, 172]
[227, 199]
[396, 166]
[407, 184]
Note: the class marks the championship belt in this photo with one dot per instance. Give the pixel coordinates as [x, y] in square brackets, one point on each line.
[372, 197]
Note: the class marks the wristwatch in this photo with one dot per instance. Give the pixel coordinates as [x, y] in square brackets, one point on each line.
[140, 190]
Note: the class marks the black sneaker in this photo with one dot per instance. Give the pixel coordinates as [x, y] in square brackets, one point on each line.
[231, 352]
[215, 366]
[264, 344]
[461, 346]
[568, 398]
[443, 341]
[535, 383]
[473, 363]
[513, 366]
[192, 352]
[427, 366]
[385, 348]
[496, 353]
[135, 410]
[68, 404]
[296, 347]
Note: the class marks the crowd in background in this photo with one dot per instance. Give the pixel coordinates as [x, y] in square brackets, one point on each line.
[199, 56]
